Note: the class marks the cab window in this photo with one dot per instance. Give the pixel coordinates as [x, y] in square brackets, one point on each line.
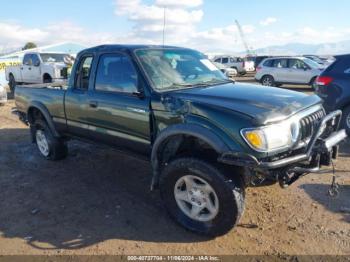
[27, 60]
[297, 64]
[116, 73]
[83, 76]
[224, 60]
[35, 60]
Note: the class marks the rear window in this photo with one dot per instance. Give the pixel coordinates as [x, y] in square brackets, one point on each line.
[340, 66]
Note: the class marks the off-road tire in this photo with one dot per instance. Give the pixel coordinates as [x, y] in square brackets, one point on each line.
[57, 147]
[231, 196]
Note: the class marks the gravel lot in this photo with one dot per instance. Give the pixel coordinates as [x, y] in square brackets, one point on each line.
[97, 201]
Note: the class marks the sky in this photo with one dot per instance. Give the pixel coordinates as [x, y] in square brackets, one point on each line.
[207, 25]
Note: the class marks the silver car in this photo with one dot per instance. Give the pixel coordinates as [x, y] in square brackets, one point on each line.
[3, 95]
[288, 70]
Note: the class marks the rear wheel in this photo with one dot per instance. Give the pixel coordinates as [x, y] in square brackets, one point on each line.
[47, 79]
[12, 83]
[50, 147]
[268, 81]
[345, 123]
[197, 195]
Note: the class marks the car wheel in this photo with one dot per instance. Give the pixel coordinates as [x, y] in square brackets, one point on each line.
[12, 83]
[268, 81]
[197, 195]
[47, 79]
[345, 123]
[50, 147]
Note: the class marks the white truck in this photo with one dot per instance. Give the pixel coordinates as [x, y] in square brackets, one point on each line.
[38, 68]
[237, 63]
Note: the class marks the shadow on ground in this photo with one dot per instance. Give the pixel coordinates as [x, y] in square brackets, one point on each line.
[340, 204]
[94, 195]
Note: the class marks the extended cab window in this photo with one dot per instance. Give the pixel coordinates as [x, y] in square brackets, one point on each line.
[116, 73]
[27, 60]
[83, 76]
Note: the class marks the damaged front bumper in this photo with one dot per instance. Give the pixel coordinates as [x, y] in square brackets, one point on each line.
[319, 151]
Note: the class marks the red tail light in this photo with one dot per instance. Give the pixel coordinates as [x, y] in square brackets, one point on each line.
[324, 80]
[258, 68]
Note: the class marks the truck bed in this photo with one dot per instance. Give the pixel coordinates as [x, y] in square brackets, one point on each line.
[49, 95]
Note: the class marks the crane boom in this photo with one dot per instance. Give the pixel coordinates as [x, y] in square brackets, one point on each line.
[241, 33]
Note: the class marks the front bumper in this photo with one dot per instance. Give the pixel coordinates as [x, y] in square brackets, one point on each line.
[317, 149]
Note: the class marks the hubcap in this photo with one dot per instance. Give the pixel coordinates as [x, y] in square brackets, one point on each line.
[267, 81]
[196, 198]
[41, 141]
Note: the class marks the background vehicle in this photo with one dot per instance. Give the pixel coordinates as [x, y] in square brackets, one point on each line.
[206, 137]
[38, 68]
[287, 70]
[317, 59]
[256, 60]
[333, 86]
[237, 63]
[228, 71]
[3, 95]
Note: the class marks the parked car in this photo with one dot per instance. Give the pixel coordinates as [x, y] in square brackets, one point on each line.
[3, 95]
[333, 86]
[236, 63]
[228, 71]
[317, 59]
[206, 138]
[288, 70]
[38, 68]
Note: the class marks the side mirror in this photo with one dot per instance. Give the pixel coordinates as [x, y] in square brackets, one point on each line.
[37, 63]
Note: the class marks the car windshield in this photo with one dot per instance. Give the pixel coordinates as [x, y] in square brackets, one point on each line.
[172, 69]
[316, 59]
[47, 58]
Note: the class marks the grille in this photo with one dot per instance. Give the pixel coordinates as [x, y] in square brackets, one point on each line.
[308, 124]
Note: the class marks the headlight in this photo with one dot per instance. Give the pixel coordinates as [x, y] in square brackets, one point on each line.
[272, 137]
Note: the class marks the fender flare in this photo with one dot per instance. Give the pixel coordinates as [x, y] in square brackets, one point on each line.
[46, 114]
[194, 130]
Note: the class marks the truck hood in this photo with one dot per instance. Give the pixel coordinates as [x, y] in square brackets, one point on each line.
[263, 104]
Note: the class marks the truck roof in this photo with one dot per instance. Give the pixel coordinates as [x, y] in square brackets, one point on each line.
[117, 47]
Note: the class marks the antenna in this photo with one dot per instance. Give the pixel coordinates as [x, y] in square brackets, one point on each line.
[164, 23]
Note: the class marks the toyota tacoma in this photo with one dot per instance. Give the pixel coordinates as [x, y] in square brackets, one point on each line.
[206, 137]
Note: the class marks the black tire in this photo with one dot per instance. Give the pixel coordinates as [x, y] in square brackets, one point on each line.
[230, 195]
[57, 148]
[268, 80]
[12, 83]
[345, 122]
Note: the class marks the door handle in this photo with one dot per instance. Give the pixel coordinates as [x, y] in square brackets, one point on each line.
[93, 104]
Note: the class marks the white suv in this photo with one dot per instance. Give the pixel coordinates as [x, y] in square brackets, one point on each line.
[288, 70]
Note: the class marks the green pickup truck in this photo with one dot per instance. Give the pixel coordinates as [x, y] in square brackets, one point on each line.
[206, 137]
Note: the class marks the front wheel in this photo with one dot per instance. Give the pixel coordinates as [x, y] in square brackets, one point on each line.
[268, 81]
[197, 195]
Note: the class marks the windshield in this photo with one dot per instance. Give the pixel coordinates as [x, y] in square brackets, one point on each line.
[315, 58]
[47, 58]
[171, 69]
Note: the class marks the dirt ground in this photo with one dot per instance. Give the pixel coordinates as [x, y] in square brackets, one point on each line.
[97, 201]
